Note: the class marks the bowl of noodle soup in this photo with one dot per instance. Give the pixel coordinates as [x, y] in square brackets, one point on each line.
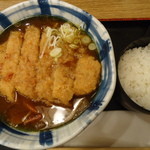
[71, 88]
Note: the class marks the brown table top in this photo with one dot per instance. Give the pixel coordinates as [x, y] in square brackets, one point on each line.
[105, 9]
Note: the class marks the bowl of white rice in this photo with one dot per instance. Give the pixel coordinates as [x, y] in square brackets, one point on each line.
[134, 75]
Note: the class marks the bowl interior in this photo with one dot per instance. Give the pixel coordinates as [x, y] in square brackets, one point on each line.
[126, 101]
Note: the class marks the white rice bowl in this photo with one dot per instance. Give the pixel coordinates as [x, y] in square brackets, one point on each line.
[134, 75]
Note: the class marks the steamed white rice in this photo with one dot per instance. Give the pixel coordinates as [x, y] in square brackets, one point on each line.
[134, 75]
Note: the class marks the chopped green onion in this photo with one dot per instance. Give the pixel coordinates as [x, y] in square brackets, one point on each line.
[85, 40]
[73, 46]
[56, 52]
[68, 32]
[76, 41]
[56, 58]
[92, 46]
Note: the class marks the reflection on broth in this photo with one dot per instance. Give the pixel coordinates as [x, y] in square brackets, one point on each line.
[49, 70]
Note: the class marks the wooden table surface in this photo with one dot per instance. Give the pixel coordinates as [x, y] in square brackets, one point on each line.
[99, 149]
[105, 9]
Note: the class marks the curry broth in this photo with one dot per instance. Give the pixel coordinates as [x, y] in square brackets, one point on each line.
[28, 115]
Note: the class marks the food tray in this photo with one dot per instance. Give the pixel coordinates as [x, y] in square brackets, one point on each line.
[121, 33]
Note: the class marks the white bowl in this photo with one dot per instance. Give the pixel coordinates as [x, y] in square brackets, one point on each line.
[45, 139]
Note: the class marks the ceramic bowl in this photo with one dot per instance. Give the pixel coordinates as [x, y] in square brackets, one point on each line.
[45, 139]
[126, 100]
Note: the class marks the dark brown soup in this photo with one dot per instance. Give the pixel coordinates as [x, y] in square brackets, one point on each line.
[37, 97]
[30, 116]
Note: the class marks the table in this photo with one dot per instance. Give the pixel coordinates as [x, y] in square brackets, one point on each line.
[105, 9]
[120, 128]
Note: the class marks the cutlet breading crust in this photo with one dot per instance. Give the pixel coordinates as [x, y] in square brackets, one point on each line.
[2, 55]
[26, 72]
[27, 66]
[44, 74]
[87, 74]
[63, 84]
[11, 59]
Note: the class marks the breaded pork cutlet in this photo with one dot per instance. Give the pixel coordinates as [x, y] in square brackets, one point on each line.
[26, 72]
[11, 59]
[87, 74]
[44, 73]
[63, 84]
[2, 55]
